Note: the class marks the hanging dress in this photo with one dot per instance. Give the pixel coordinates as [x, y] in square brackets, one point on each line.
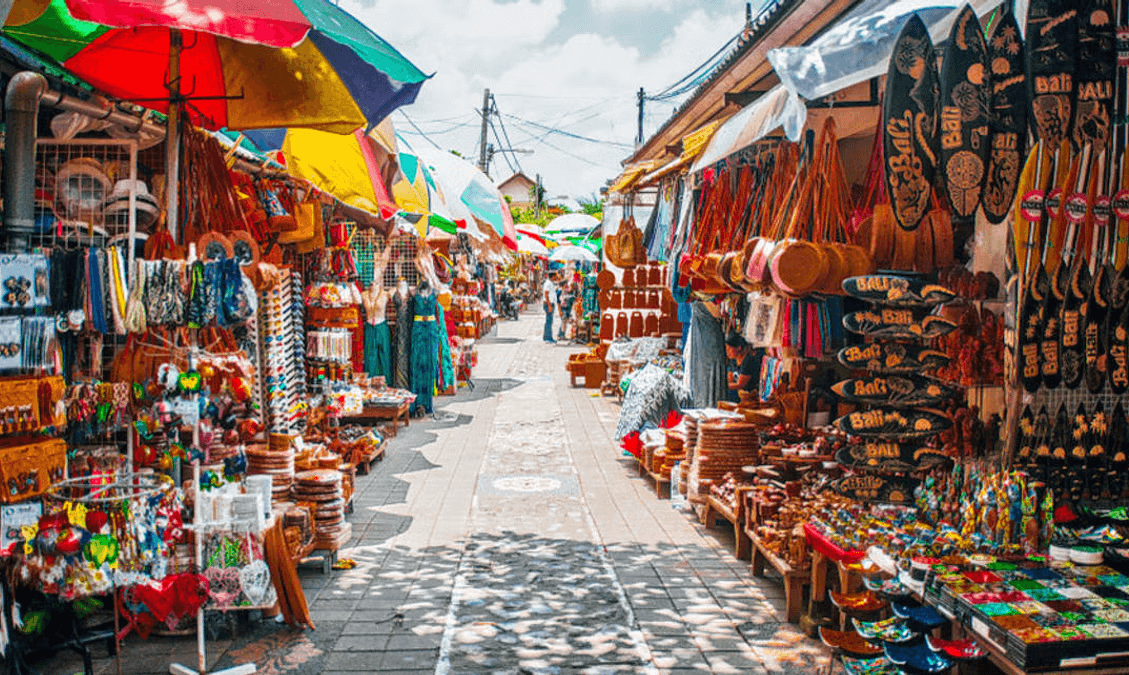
[404, 325]
[447, 370]
[425, 351]
[378, 338]
[708, 374]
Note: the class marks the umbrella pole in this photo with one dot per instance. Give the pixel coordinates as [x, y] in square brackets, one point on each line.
[172, 137]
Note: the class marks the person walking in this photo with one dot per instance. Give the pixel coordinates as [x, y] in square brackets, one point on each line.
[549, 302]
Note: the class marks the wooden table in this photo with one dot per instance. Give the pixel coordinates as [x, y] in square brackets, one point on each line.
[662, 483]
[715, 508]
[794, 580]
[395, 413]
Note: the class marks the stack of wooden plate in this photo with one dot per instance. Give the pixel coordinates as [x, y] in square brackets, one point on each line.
[276, 460]
[324, 490]
[724, 447]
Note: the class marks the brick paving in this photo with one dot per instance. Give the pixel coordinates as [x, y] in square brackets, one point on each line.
[509, 535]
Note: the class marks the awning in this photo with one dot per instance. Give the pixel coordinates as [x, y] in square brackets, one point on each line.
[692, 145]
[777, 108]
[631, 175]
[858, 46]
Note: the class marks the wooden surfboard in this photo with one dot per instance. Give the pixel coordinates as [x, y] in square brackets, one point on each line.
[889, 456]
[963, 108]
[897, 291]
[1008, 117]
[892, 357]
[909, 119]
[876, 488]
[898, 322]
[884, 422]
[903, 391]
[1052, 38]
[1117, 366]
[1095, 74]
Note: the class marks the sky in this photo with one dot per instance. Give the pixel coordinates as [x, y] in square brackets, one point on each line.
[571, 65]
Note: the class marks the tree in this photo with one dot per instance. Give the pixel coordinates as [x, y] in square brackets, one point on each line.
[593, 206]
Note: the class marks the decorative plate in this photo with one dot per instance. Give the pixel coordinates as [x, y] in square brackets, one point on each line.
[924, 616]
[886, 630]
[877, 665]
[917, 657]
[848, 641]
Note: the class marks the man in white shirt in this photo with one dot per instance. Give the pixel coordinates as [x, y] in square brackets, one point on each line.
[549, 303]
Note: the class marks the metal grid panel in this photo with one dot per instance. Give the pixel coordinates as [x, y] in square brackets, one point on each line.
[402, 263]
[76, 188]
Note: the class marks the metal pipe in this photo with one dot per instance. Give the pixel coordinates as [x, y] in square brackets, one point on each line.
[109, 113]
[21, 109]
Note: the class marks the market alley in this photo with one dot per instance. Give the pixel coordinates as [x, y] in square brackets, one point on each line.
[510, 536]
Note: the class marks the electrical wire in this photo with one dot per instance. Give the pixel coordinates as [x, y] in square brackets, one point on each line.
[569, 134]
[509, 144]
[695, 77]
[420, 131]
[505, 155]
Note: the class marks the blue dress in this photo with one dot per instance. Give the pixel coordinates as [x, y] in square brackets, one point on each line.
[425, 350]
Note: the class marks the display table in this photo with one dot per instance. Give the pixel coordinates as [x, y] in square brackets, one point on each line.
[716, 508]
[382, 413]
[794, 579]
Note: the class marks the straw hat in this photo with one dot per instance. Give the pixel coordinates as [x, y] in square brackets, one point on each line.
[80, 188]
[116, 207]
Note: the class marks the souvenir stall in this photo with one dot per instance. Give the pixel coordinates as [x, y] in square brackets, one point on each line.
[938, 438]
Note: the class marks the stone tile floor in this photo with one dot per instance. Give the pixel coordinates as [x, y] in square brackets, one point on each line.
[508, 535]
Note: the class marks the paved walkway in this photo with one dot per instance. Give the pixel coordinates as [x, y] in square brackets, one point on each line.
[508, 535]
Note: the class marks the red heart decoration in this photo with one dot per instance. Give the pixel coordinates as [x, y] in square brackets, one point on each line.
[69, 541]
[95, 521]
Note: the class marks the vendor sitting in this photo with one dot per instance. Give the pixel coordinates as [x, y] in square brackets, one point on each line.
[746, 376]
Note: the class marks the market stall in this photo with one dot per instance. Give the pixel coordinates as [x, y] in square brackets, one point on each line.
[928, 277]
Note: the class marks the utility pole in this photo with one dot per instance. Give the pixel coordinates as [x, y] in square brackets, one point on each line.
[638, 136]
[483, 162]
[537, 198]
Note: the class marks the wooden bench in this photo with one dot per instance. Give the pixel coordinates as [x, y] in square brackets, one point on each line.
[715, 508]
[794, 580]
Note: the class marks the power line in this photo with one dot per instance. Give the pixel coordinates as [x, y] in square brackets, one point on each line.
[420, 131]
[509, 144]
[694, 77]
[562, 132]
[455, 127]
[505, 155]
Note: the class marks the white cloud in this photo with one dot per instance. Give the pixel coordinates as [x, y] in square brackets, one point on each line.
[610, 6]
[584, 83]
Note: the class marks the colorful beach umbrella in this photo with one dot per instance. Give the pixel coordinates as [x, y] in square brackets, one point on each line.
[416, 192]
[572, 223]
[463, 182]
[344, 166]
[530, 245]
[243, 64]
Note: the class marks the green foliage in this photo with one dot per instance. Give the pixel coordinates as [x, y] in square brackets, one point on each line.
[593, 207]
[527, 215]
